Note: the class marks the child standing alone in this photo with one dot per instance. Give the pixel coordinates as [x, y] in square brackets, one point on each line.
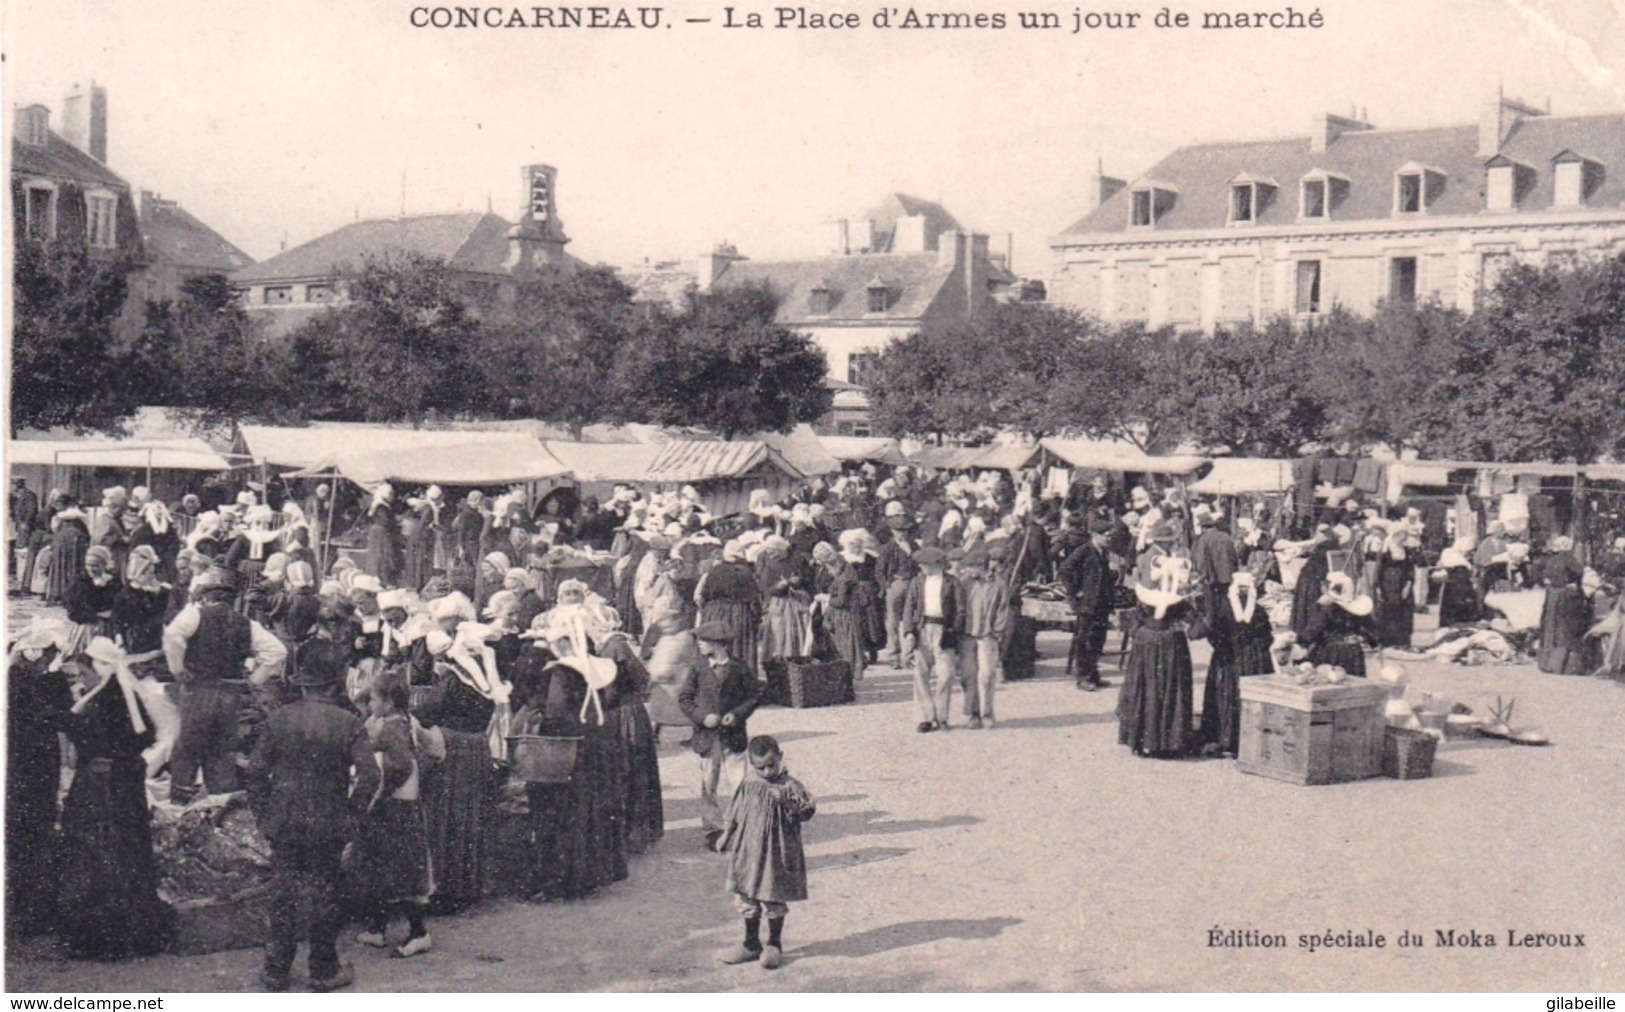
[768, 870]
[391, 858]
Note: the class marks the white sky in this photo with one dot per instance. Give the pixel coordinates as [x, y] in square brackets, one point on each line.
[288, 118]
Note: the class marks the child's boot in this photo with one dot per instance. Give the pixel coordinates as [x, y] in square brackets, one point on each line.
[747, 951]
[773, 954]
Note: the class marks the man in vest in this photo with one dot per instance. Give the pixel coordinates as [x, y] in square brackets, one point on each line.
[209, 647]
[932, 623]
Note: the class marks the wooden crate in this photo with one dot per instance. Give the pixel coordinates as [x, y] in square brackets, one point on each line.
[1323, 734]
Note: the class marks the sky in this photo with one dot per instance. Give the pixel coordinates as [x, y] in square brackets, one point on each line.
[280, 120]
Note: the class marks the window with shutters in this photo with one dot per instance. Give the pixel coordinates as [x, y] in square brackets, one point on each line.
[40, 214]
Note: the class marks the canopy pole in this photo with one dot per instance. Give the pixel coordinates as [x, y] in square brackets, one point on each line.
[332, 504]
[149, 468]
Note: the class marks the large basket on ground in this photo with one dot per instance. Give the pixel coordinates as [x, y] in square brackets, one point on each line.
[539, 759]
[1407, 754]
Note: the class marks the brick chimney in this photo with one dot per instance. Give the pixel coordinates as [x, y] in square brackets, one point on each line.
[1106, 187]
[966, 253]
[714, 264]
[84, 120]
[1500, 117]
[538, 240]
[1327, 128]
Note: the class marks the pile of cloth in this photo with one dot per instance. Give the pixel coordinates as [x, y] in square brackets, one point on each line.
[210, 850]
[1277, 603]
[1470, 645]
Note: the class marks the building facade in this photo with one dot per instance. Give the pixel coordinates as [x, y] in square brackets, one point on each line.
[882, 276]
[488, 256]
[63, 190]
[1350, 216]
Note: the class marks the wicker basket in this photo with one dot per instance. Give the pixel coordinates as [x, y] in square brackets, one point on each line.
[536, 759]
[1407, 754]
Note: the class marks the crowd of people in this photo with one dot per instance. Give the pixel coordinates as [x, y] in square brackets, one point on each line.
[373, 696]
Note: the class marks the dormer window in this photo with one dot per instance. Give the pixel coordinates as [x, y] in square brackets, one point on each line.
[1416, 187]
[1319, 192]
[101, 219]
[1149, 202]
[1574, 178]
[1505, 183]
[34, 126]
[1249, 195]
[879, 296]
[818, 301]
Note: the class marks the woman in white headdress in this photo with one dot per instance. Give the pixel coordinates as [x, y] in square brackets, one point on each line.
[1240, 636]
[108, 905]
[37, 699]
[383, 558]
[1154, 706]
[728, 594]
[1459, 603]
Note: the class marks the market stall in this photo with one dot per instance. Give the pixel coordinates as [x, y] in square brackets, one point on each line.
[168, 467]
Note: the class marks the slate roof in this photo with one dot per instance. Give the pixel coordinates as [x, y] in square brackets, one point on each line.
[884, 216]
[174, 235]
[474, 241]
[913, 281]
[1369, 160]
[58, 159]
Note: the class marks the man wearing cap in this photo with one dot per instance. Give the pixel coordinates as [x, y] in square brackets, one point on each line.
[717, 696]
[208, 646]
[894, 569]
[987, 619]
[933, 622]
[1086, 574]
[300, 790]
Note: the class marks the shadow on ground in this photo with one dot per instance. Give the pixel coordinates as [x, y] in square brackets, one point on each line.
[906, 934]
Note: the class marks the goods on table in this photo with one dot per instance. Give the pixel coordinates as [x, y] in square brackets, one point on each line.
[1311, 734]
[214, 867]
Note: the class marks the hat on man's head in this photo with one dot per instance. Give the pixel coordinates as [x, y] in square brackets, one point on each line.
[714, 631]
[219, 577]
[977, 556]
[930, 557]
[318, 663]
[1162, 530]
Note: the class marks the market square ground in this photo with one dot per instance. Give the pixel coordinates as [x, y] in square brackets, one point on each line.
[1043, 856]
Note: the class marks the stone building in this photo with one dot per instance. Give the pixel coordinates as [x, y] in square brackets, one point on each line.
[63, 189]
[487, 255]
[1348, 216]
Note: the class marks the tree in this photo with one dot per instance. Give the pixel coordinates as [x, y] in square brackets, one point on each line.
[559, 356]
[401, 347]
[1130, 383]
[1253, 390]
[204, 354]
[1377, 376]
[66, 362]
[1538, 373]
[724, 363]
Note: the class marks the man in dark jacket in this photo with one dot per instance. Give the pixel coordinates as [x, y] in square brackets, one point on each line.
[1086, 574]
[932, 623]
[299, 786]
[718, 695]
[894, 570]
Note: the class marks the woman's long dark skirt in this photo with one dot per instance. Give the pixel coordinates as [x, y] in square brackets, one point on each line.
[645, 815]
[578, 827]
[458, 806]
[108, 906]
